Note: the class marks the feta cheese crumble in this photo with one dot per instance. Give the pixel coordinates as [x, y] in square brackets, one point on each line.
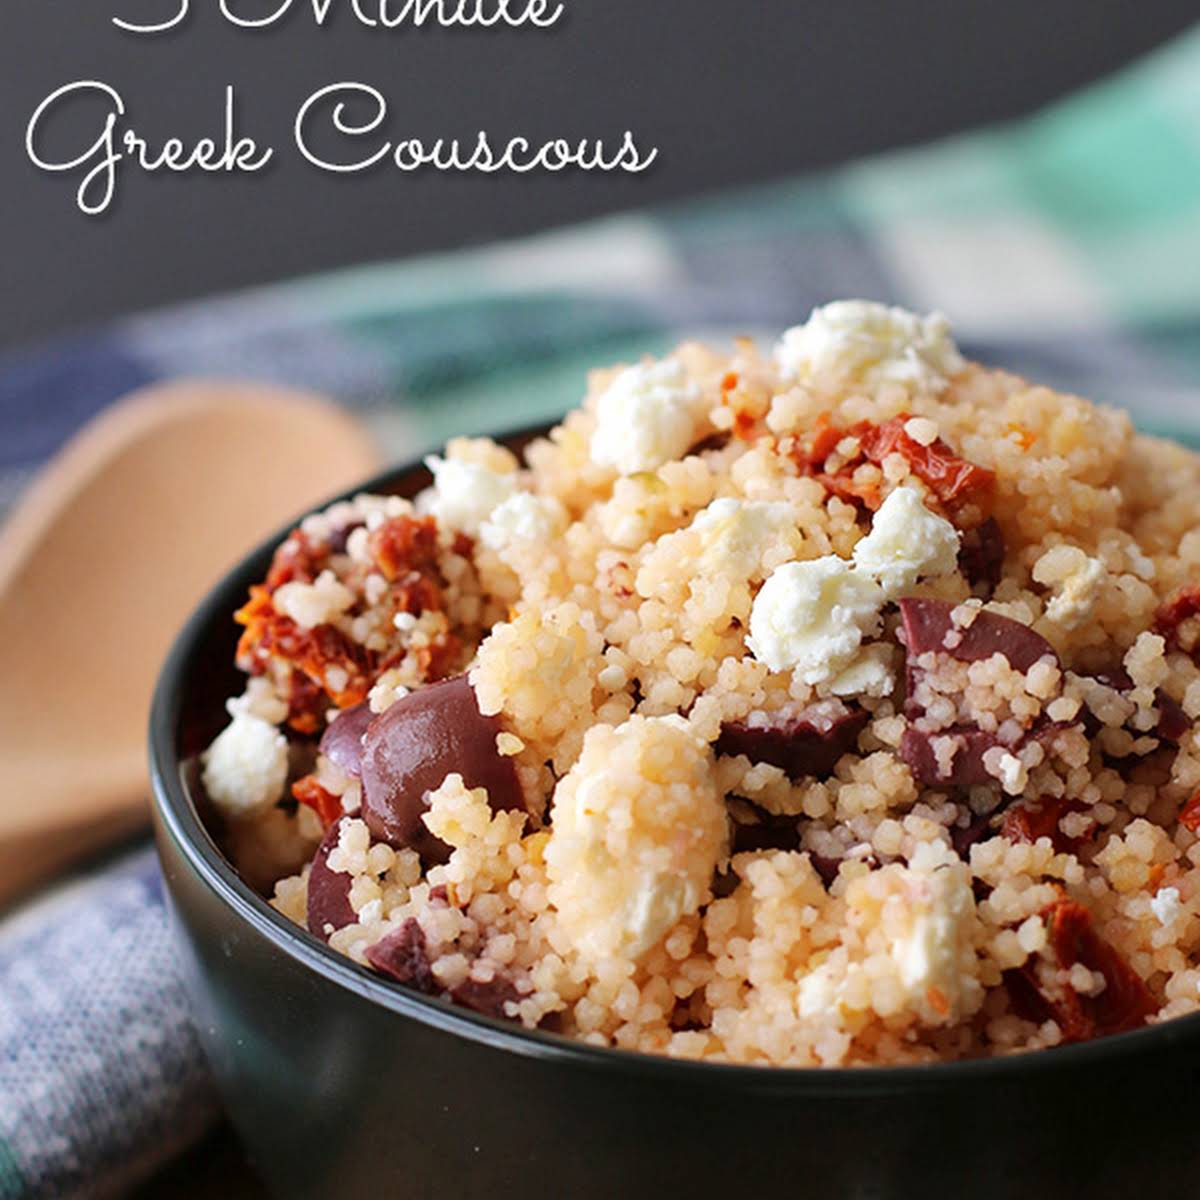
[524, 517]
[907, 542]
[869, 343]
[812, 616]
[465, 494]
[648, 415]
[246, 768]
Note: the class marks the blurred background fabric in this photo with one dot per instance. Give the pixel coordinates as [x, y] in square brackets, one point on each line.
[731, 92]
[1063, 245]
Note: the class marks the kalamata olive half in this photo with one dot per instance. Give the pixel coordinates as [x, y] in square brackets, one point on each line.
[341, 742]
[928, 622]
[807, 744]
[409, 750]
[328, 891]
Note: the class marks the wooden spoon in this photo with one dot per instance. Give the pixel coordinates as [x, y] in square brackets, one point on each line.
[111, 548]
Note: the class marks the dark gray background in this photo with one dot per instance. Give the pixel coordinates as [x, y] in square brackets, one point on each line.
[730, 90]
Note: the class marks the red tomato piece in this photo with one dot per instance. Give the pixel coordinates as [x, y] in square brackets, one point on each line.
[1125, 1001]
[1189, 817]
[323, 802]
[1023, 824]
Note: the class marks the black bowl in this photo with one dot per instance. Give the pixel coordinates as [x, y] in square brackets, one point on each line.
[341, 1083]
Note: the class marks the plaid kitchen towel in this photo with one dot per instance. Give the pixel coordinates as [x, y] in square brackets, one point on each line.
[1066, 246]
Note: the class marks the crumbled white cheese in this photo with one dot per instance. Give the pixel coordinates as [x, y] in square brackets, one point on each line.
[465, 494]
[526, 518]
[927, 954]
[312, 604]
[863, 342]
[246, 767]
[870, 674]
[811, 616]
[1167, 905]
[735, 535]
[639, 827]
[648, 415]
[906, 542]
[1077, 580]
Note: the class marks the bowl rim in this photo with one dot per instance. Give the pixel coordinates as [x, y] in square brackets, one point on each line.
[177, 817]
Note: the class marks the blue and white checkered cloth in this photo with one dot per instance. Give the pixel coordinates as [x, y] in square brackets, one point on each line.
[1064, 246]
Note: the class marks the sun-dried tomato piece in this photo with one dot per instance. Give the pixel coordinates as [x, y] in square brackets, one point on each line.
[1189, 817]
[745, 425]
[1024, 997]
[416, 594]
[324, 654]
[441, 657]
[811, 454]
[863, 493]
[323, 802]
[964, 489]
[256, 614]
[306, 701]
[403, 544]
[1024, 824]
[296, 560]
[405, 551]
[955, 481]
[341, 667]
[1124, 1002]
